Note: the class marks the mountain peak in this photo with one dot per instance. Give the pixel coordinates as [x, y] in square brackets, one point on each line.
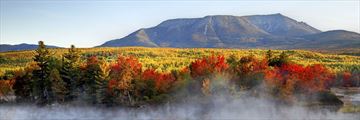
[277, 14]
[253, 31]
[280, 25]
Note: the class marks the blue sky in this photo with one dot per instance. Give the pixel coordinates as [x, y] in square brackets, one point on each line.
[87, 23]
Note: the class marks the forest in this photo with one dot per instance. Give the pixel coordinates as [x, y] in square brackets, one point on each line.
[94, 79]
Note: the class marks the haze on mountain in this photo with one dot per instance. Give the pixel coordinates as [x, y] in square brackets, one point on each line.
[226, 31]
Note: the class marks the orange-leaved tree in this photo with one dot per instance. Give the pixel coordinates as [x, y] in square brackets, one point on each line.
[123, 73]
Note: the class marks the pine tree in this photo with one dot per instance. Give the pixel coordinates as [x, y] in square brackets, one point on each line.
[90, 77]
[278, 61]
[70, 72]
[269, 55]
[283, 58]
[41, 83]
[58, 86]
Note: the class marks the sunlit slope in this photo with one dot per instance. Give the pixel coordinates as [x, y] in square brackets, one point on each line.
[167, 59]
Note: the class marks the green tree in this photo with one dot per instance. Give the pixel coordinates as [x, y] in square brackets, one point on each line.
[269, 55]
[70, 72]
[41, 83]
[283, 58]
[95, 78]
[58, 86]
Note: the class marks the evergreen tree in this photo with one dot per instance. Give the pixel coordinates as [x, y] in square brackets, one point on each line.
[90, 77]
[70, 72]
[233, 62]
[58, 86]
[41, 83]
[269, 55]
[283, 58]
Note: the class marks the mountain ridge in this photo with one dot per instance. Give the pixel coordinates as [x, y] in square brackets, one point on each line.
[22, 46]
[226, 31]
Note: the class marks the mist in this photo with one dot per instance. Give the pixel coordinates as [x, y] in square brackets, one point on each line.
[215, 107]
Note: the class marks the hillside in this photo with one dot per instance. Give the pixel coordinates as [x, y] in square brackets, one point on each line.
[224, 31]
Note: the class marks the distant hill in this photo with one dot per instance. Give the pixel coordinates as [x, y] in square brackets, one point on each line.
[23, 46]
[332, 40]
[225, 31]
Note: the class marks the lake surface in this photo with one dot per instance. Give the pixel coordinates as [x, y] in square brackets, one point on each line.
[350, 95]
[220, 108]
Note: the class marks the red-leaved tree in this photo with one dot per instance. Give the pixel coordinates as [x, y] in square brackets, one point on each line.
[290, 78]
[208, 66]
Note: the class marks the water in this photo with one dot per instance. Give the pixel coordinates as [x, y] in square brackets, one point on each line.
[219, 108]
[349, 95]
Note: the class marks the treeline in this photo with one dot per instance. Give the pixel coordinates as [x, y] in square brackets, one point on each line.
[124, 82]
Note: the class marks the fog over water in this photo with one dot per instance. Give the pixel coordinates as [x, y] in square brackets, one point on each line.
[215, 108]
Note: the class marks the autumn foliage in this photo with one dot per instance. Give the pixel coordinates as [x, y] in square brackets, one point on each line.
[349, 79]
[124, 71]
[292, 78]
[248, 71]
[208, 65]
[163, 81]
[5, 87]
[125, 81]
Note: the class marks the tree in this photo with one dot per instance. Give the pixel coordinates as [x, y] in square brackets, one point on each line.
[102, 81]
[282, 59]
[23, 83]
[350, 79]
[269, 55]
[163, 81]
[145, 87]
[208, 66]
[182, 85]
[58, 86]
[248, 71]
[282, 81]
[203, 70]
[6, 89]
[293, 78]
[96, 81]
[42, 85]
[70, 72]
[92, 71]
[125, 71]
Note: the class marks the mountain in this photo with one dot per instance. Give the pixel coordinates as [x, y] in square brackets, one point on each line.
[256, 31]
[23, 46]
[332, 40]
